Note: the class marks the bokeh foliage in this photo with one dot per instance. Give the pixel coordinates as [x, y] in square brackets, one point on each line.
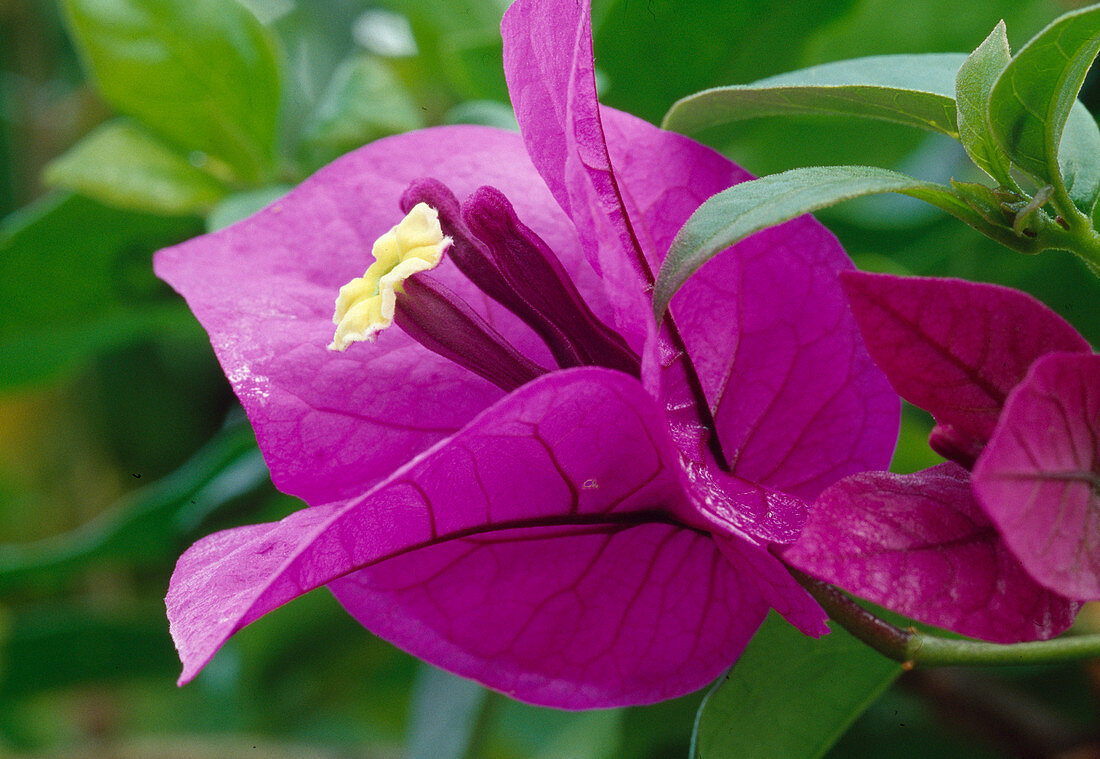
[128, 125]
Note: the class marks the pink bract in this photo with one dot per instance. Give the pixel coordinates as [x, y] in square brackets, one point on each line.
[573, 543]
[921, 545]
[955, 348]
[1003, 555]
[1039, 478]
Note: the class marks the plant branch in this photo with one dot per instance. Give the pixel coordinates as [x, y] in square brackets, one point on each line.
[914, 648]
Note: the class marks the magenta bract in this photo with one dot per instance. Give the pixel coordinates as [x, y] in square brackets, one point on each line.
[1005, 554]
[1039, 478]
[955, 348]
[574, 542]
[920, 544]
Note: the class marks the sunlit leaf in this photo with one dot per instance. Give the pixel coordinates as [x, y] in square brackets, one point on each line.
[1034, 96]
[915, 90]
[123, 165]
[202, 74]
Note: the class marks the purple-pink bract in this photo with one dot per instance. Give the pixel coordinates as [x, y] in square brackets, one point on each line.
[921, 545]
[573, 543]
[1039, 478]
[1004, 555]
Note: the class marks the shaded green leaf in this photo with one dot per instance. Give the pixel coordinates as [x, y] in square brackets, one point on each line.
[318, 35]
[445, 711]
[472, 61]
[53, 647]
[592, 735]
[972, 87]
[1032, 100]
[68, 288]
[1079, 157]
[483, 112]
[123, 165]
[513, 729]
[202, 74]
[790, 695]
[915, 90]
[241, 205]
[363, 101]
[150, 524]
[736, 213]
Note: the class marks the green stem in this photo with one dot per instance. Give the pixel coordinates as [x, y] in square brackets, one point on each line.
[930, 650]
[1081, 240]
[914, 648]
[1076, 220]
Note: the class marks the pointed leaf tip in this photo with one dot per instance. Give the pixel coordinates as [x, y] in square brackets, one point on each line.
[973, 84]
[913, 90]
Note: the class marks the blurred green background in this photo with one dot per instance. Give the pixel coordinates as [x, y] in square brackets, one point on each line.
[121, 442]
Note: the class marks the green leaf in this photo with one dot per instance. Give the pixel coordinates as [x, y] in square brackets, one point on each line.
[459, 44]
[123, 165]
[591, 735]
[57, 646]
[736, 213]
[658, 51]
[483, 112]
[149, 525]
[202, 74]
[445, 711]
[1032, 100]
[363, 101]
[320, 34]
[75, 278]
[915, 90]
[790, 695]
[241, 205]
[1079, 157]
[472, 59]
[972, 87]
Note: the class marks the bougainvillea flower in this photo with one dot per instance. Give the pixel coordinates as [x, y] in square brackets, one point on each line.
[973, 554]
[585, 519]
